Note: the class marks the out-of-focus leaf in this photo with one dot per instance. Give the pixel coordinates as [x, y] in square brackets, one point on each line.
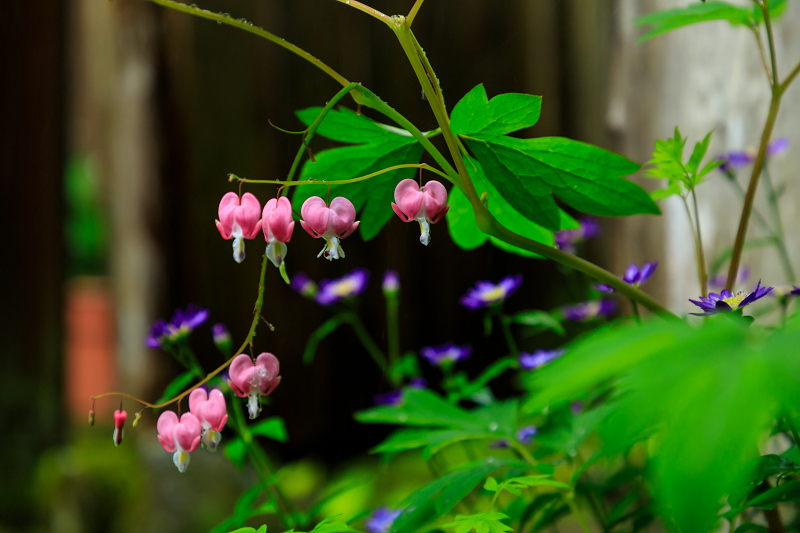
[672, 19]
[481, 523]
[327, 327]
[236, 451]
[181, 382]
[749, 526]
[245, 508]
[540, 320]
[272, 428]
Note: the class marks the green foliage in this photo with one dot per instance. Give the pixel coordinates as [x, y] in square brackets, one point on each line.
[669, 163]
[538, 321]
[177, 385]
[329, 525]
[672, 19]
[375, 147]
[272, 428]
[247, 507]
[327, 327]
[528, 172]
[262, 529]
[515, 484]
[701, 397]
[85, 226]
[481, 523]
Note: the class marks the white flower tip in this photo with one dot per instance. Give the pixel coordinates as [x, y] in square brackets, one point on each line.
[181, 460]
[238, 249]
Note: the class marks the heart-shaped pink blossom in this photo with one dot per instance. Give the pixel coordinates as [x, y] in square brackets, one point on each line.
[239, 220]
[426, 205]
[251, 380]
[209, 408]
[276, 220]
[178, 435]
[331, 223]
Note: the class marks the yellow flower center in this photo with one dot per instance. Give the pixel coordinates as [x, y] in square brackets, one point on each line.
[735, 300]
[345, 287]
[498, 293]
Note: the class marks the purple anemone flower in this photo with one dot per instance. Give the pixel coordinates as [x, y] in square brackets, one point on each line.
[532, 361]
[486, 293]
[332, 291]
[718, 281]
[381, 520]
[778, 146]
[733, 161]
[567, 239]
[391, 282]
[182, 323]
[445, 353]
[588, 310]
[633, 276]
[726, 301]
[395, 397]
[525, 434]
[304, 285]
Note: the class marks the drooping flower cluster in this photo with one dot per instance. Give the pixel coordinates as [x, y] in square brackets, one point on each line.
[726, 301]
[242, 218]
[485, 293]
[252, 380]
[633, 276]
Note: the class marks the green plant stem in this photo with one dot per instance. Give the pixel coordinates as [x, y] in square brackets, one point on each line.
[372, 12]
[597, 511]
[636, 311]
[759, 218]
[570, 501]
[504, 324]
[371, 346]
[780, 236]
[262, 466]
[413, 13]
[247, 341]
[757, 32]
[701, 256]
[696, 245]
[340, 182]
[793, 429]
[770, 40]
[393, 330]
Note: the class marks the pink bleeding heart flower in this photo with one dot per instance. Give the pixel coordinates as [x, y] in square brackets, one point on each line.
[426, 205]
[119, 421]
[210, 410]
[239, 220]
[331, 223]
[254, 379]
[179, 437]
[276, 220]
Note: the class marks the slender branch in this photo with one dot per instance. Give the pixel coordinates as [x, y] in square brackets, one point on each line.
[512, 344]
[369, 343]
[694, 238]
[342, 182]
[757, 33]
[247, 341]
[771, 41]
[792, 75]
[393, 332]
[749, 198]
[372, 12]
[247, 26]
[780, 236]
[701, 254]
[413, 13]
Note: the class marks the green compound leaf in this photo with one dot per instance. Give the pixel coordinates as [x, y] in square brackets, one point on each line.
[272, 428]
[382, 147]
[481, 523]
[672, 19]
[505, 113]
[528, 173]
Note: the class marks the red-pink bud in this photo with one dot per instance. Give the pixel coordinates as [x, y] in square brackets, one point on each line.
[119, 422]
[277, 223]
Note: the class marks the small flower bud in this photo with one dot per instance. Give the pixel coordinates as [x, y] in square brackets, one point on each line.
[136, 418]
[91, 417]
[222, 338]
[391, 283]
[119, 422]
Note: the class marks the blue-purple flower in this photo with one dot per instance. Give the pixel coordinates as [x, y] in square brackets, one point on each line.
[726, 301]
[391, 283]
[778, 146]
[733, 161]
[445, 353]
[532, 361]
[182, 323]
[633, 276]
[567, 239]
[222, 337]
[486, 293]
[592, 309]
[718, 281]
[395, 397]
[782, 291]
[381, 520]
[332, 291]
[304, 285]
[525, 434]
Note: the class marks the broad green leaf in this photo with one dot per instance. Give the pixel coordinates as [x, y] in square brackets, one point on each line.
[785, 492]
[698, 154]
[505, 113]
[262, 529]
[566, 439]
[181, 382]
[272, 428]
[489, 373]
[420, 407]
[246, 507]
[236, 451]
[440, 496]
[384, 147]
[461, 222]
[768, 466]
[749, 526]
[430, 439]
[671, 19]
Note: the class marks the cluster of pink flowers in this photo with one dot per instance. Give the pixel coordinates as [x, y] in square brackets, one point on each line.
[239, 218]
[208, 411]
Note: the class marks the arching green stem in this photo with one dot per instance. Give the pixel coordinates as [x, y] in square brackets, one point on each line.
[424, 166]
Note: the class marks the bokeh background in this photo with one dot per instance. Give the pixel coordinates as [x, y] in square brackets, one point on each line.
[120, 122]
